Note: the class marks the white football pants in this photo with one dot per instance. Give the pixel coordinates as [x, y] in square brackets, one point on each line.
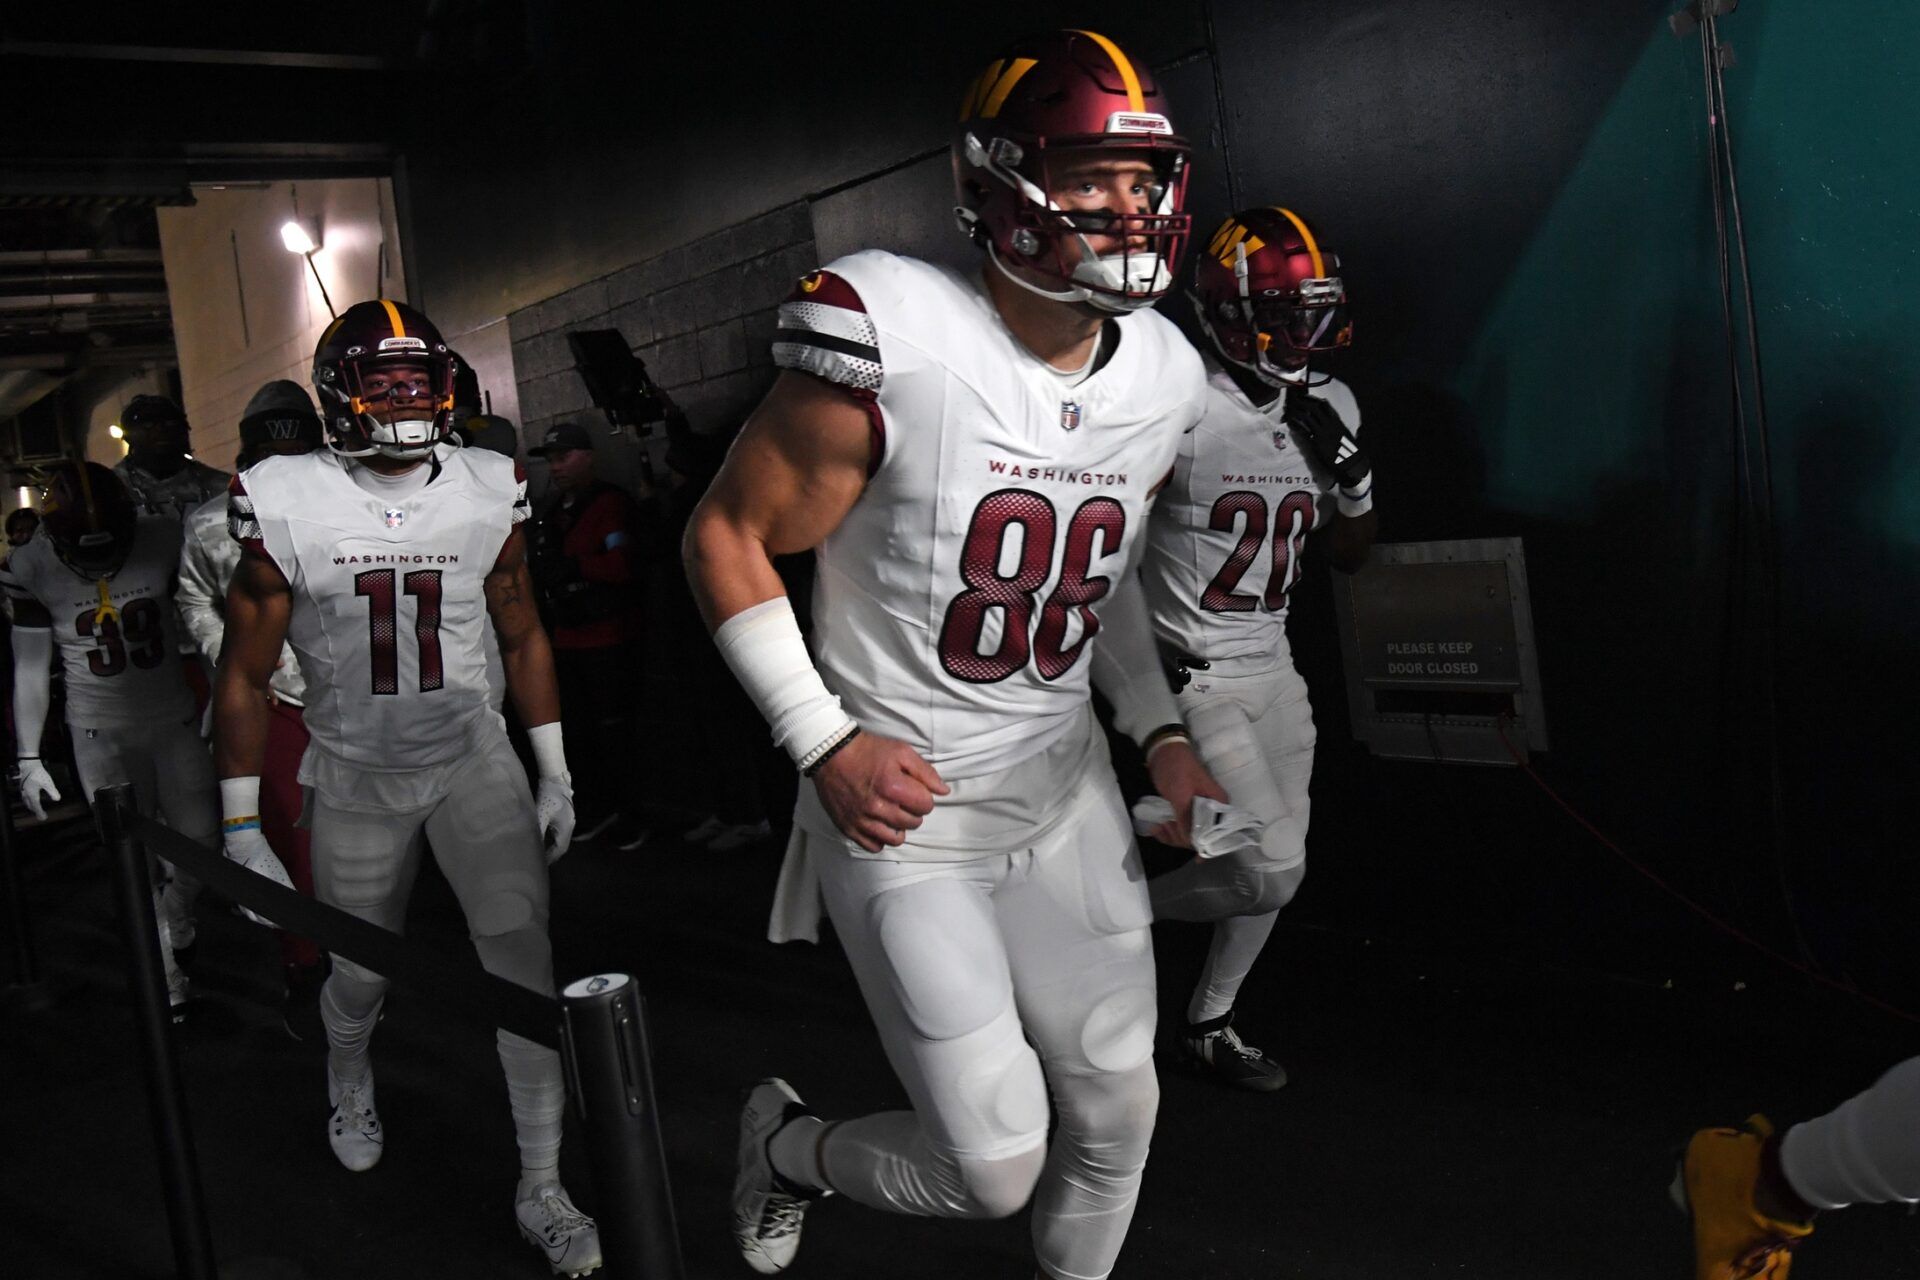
[1865, 1151]
[487, 842]
[1255, 734]
[172, 777]
[961, 964]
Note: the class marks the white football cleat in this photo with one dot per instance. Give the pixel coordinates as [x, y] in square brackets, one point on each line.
[354, 1131]
[768, 1211]
[551, 1224]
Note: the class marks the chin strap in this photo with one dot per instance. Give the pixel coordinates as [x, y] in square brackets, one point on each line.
[106, 611]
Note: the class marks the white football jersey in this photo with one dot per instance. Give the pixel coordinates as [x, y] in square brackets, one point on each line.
[120, 654]
[389, 608]
[955, 605]
[1227, 535]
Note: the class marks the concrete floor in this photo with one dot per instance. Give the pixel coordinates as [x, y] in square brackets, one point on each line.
[1447, 1116]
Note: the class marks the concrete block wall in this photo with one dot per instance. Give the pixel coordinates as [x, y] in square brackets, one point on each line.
[701, 316]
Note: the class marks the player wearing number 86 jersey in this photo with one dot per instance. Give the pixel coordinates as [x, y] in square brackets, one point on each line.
[973, 459]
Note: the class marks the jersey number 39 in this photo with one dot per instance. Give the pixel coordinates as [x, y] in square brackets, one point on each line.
[987, 588]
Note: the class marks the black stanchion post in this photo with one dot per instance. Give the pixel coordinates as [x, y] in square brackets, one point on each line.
[611, 1077]
[26, 992]
[179, 1170]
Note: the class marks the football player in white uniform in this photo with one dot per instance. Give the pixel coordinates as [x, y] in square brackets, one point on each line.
[382, 559]
[97, 584]
[280, 418]
[972, 458]
[1276, 456]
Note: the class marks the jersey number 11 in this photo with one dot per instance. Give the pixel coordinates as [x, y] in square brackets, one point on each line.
[383, 626]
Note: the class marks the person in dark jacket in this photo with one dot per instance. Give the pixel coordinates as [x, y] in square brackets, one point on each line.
[584, 549]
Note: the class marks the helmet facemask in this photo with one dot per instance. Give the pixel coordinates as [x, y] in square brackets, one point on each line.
[1056, 243]
[356, 431]
[1307, 319]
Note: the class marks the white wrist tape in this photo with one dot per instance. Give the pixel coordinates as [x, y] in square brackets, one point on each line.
[240, 797]
[1356, 500]
[549, 754]
[762, 646]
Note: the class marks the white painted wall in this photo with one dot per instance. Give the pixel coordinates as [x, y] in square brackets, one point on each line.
[245, 310]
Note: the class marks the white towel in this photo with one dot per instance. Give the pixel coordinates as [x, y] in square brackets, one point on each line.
[797, 906]
[1218, 829]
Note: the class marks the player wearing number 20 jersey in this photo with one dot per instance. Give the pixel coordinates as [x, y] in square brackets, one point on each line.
[1276, 456]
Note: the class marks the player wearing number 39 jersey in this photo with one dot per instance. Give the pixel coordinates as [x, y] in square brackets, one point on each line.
[973, 458]
[382, 560]
[1276, 456]
[96, 585]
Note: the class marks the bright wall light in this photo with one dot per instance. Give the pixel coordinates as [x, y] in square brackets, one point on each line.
[115, 431]
[296, 237]
[25, 496]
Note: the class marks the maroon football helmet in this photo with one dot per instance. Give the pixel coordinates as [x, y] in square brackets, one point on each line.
[1064, 92]
[1266, 286]
[89, 518]
[369, 336]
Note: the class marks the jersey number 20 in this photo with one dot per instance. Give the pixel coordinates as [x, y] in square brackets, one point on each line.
[988, 588]
[384, 632]
[1292, 522]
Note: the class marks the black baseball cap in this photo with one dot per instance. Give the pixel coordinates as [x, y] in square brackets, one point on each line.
[562, 436]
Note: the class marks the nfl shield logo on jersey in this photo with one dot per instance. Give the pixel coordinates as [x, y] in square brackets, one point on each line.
[395, 517]
[1280, 438]
[1069, 414]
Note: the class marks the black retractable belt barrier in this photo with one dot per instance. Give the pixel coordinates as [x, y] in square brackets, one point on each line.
[609, 1069]
[488, 997]
[179, 1171]
[25, 992]
[604, 1044]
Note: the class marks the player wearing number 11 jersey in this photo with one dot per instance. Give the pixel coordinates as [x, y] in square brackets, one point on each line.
[1276, 456]
[382, 559]
[973, 458]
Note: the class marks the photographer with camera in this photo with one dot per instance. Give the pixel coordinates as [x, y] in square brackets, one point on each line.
[583, 548]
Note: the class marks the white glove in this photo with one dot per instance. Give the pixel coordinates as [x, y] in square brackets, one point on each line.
[553, 809]
[1218, 829]
[36, 783]
[250, 849]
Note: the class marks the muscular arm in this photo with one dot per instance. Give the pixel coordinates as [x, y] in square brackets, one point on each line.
[259, 603]
[258, 609]
[524, 651]
[796, 470]
[790, 479]
[1349, 539]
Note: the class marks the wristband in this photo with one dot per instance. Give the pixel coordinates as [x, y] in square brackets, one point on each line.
[763, 648]
[549, 753]
[240, 797]
[1355, 500]
[811, 766]
[1162, 736]
[248, 822]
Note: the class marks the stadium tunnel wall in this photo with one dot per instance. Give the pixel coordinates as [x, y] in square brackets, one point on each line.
[1521, 197]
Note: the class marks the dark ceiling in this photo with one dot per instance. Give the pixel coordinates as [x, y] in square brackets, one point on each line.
[112, 110]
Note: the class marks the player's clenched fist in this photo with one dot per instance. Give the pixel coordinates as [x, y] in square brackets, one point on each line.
[1178, 776]
[877, 789]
